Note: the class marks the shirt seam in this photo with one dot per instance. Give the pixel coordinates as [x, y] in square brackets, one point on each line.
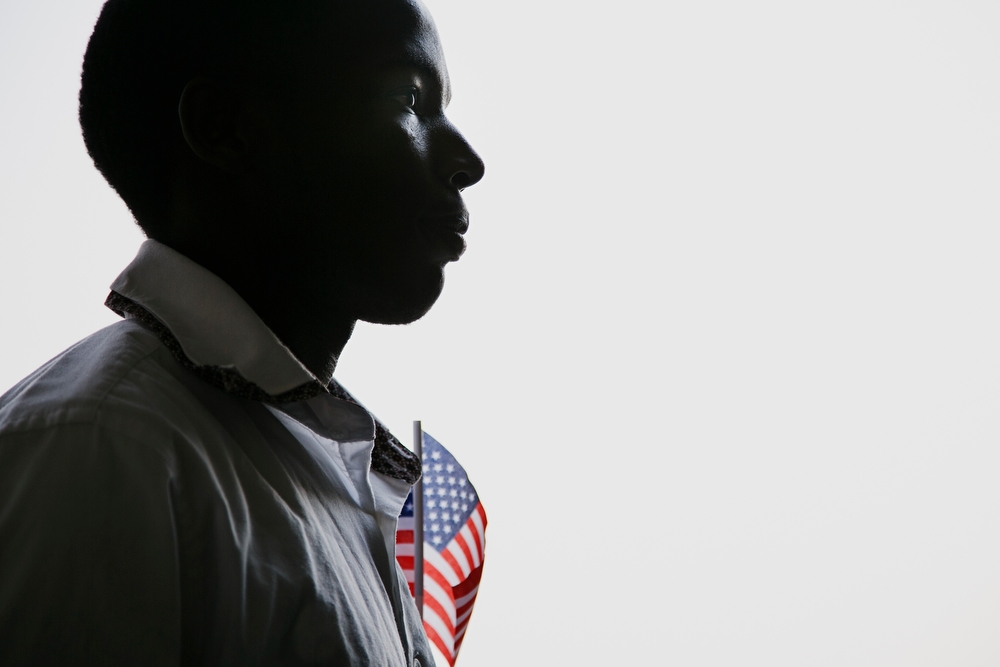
[95, 415]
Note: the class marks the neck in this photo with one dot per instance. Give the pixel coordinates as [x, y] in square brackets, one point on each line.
[315, 336]
[315, 340]
[279, 293]
[214, 225]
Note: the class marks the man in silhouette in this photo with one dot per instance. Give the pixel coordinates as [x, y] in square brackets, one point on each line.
[191, 485]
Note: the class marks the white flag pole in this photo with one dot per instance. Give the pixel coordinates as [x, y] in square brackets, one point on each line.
[418, 522]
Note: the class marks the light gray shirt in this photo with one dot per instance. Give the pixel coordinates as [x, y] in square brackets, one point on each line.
[156, 511]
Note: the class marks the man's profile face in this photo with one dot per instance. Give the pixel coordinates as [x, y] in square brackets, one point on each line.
[367, 168]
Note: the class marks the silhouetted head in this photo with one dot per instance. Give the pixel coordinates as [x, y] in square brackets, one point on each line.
[297, 148]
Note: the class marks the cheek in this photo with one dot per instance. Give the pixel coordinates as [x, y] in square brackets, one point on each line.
[366, 185]
[393, 151]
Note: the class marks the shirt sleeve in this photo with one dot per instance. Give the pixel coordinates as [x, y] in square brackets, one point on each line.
[88, 549]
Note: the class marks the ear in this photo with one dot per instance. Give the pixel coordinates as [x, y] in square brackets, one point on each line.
[209, 116]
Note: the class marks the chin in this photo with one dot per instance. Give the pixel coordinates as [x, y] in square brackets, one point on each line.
[403, 303]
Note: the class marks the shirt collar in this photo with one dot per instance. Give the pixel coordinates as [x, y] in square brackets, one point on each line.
[212, 323]
[214, 333]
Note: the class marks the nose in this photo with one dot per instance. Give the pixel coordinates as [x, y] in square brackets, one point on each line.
[463, 179]
[463, 167]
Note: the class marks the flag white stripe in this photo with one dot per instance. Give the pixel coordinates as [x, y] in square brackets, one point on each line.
[465, 598]
[432, 619]
[444, 598]
[439, 658]
[432, 557]
[463, 617]
[455, 550]
[477, 520]
[473, 547]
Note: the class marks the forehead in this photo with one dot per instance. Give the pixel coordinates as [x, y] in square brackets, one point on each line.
[370, 36]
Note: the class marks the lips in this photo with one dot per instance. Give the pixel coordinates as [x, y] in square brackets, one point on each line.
[444, 233]
[457, 222]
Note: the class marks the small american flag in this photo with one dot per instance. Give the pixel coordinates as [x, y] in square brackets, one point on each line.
[454, 541]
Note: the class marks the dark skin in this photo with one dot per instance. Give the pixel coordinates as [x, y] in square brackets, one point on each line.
[336, 198]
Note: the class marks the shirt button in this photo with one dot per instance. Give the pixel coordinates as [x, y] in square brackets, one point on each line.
[417, 663]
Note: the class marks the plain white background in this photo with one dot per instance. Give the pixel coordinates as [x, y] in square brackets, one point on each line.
[722, 358]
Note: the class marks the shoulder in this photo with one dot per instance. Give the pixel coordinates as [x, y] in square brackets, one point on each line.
[117, 377]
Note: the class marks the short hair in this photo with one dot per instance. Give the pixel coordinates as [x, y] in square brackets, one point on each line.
[140, 56]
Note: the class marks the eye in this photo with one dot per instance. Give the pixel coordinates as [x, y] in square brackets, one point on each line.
[406, 96]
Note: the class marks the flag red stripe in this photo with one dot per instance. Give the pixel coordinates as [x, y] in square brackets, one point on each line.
[470, 541]
[463, 619]
[435, 604]
[470, 583]
[431, 555]
[433, 636]
[463, 600]
[461, 611]
[466, 591]
[464, 546]
[444, 610]
[480, 533]
[455, 549]
[453, 563]
[432, 572]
